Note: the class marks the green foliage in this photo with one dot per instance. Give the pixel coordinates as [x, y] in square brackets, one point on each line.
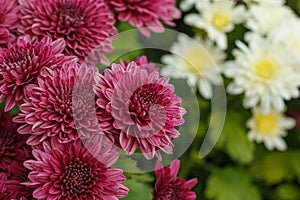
[231, 183]
[288, 192]
[234, 139]
[139, 187]
[275, 167]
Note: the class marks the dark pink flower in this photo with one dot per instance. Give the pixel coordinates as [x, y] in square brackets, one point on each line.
[12, 145]
[146, 15]
[21, 64]
[13, 152]
[169, 186]
[296, 115]
[85, 25]
[143, 63]
[11, 186]
[9, 21]
[69, 171]
[138, 109]
[61, 104]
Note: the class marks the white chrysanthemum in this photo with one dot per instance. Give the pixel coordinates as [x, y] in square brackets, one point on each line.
[263, 17]
[287, 33]
[186, 5]
[268, 2]
[217, 18]
[264, 72]
[197, 60]
[269, 128]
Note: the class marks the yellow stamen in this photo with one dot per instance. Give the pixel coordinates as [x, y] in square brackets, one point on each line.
[220, 21]
[266, 123]
[265, 69]
[195, 60]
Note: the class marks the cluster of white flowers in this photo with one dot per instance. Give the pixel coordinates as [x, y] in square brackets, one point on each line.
[266, 65]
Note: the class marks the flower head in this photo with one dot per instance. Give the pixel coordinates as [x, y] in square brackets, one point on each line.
[9, 21]
[269, 128]
[263, 17]
[286, 33]
[142, 62]
[11, 186]
[104, 88]
[21, 63]
[196, 60]
[12, 145]
[13, 152]
[61, 105]
[147, 15]
[84, 24]
[69, 171]
[260, 71]
[217, 18]
[141, 108]
[169, 186]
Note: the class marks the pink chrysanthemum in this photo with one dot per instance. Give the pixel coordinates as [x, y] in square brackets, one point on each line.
[169, 186]
[61, 104]
[139, 109]
[104, 88]
[69, 171]
[84, 24]
[146, 15]
[21, 64]
[9, 21]
[13, 152]
[143, 63]
[11, 186]
[12, 145]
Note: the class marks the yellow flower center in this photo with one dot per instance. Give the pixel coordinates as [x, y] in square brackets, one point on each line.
[220, 21]
[195, 60]
[266, 123]
[265, 69]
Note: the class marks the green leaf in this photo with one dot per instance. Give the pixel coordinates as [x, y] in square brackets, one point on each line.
[236, 142]
[295, 163]
[288, 192]
[231, 184]
[139, 187]
[273, 167]
[126, 163]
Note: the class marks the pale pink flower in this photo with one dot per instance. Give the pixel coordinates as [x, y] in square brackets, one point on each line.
[85, 25]
[139, 109]
[21, 63]
[61, 104]
[69, 171]
[169, 186]
[9, 21]
[146, 15]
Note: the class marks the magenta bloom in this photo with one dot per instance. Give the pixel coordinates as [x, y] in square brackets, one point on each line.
[20, 65]
[69, 171]
[169, 186]
[61, 105]
[143, 63]
[12, 145]
[11, 186]
[84, 24]
[139, 109]
[13, 152]
[9, 21]
[147, 15]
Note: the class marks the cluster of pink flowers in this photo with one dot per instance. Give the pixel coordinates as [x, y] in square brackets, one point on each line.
[72, 120]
